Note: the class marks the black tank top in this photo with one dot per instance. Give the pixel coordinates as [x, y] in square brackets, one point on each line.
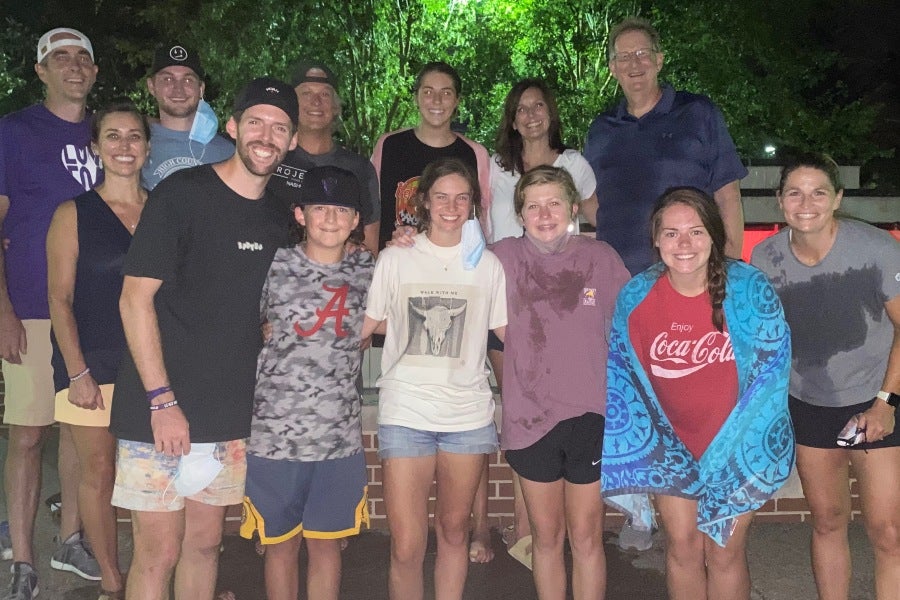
[102, 244]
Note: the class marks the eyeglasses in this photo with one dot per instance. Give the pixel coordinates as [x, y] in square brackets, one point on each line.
[640, 55]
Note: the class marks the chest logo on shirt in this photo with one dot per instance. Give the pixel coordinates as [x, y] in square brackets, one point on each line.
[406, 192]
[335, 308]
[172, 165]
[81, 163]
[292, 176]
[589, 297]
[251, 246]
[674, 358]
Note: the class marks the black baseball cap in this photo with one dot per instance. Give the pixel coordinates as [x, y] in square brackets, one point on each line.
[301, 73]
[331, 186]
[271, 91]
[176, 55]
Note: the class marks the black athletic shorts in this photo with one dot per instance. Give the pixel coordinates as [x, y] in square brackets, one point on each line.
[570, 451]
[819, 426]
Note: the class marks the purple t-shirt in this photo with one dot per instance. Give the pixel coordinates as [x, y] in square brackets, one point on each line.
[560, 309]
[44, 161]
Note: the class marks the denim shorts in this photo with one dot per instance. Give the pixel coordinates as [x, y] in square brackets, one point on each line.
[396, 441]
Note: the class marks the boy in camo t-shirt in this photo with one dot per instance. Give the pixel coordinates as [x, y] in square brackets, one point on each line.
[306, 473]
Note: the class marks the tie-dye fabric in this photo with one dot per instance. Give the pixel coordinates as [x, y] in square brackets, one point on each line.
[750, 457]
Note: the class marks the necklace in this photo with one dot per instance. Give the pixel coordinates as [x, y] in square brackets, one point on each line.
[126, 221]
[124, 210]
[446, 264]
[436, 253]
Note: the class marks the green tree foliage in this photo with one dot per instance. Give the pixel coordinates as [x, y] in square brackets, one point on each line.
[771, 78]
[16, 70]
[566, 46]
[760, 61]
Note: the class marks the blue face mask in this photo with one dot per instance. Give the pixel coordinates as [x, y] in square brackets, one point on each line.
[472, 243]
[206, 124]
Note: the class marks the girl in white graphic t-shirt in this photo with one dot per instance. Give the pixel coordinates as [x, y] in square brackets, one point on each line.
[436, 301]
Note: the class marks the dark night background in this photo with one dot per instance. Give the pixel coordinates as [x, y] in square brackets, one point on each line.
[863, 32]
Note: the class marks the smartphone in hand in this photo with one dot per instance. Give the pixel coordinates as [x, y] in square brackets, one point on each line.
[851, 434]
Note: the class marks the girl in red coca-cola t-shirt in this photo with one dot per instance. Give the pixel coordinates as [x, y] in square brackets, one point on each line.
[681, 339]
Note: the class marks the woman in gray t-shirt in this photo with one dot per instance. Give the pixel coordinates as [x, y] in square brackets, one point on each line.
[839, 282]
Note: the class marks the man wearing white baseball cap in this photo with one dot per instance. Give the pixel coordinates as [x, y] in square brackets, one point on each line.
[62, 36]
[45, 159]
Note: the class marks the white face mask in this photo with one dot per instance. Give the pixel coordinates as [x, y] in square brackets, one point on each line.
[472, 243]
[196, 470]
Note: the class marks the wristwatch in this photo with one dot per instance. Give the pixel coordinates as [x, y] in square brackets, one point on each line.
[891, 398]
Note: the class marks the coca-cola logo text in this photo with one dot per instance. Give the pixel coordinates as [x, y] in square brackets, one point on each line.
[688, 356]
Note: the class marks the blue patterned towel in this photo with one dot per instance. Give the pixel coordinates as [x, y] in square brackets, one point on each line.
[750, 457]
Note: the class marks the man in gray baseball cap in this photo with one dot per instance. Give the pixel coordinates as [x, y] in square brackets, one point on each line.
[320, 108]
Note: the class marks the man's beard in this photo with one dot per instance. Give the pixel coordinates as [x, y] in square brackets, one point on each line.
[247, 158]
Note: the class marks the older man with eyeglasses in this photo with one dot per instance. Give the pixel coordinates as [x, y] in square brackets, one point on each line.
[654, 139]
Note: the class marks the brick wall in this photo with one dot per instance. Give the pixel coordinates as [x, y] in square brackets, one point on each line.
[788, 506]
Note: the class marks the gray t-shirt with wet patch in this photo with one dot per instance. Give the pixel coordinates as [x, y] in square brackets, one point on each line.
[840, 332]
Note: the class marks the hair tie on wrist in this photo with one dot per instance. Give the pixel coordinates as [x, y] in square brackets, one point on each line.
[75, 378]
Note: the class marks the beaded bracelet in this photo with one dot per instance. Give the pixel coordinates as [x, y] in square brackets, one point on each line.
[157, 392]
[168, 404]
[75, 378]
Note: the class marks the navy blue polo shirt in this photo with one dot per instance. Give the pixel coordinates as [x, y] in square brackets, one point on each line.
[683, 141]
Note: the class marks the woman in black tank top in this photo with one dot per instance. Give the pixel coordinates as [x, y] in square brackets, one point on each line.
[86, 246]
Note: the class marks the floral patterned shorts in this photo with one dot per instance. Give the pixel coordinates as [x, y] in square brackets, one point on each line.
[144, 478]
